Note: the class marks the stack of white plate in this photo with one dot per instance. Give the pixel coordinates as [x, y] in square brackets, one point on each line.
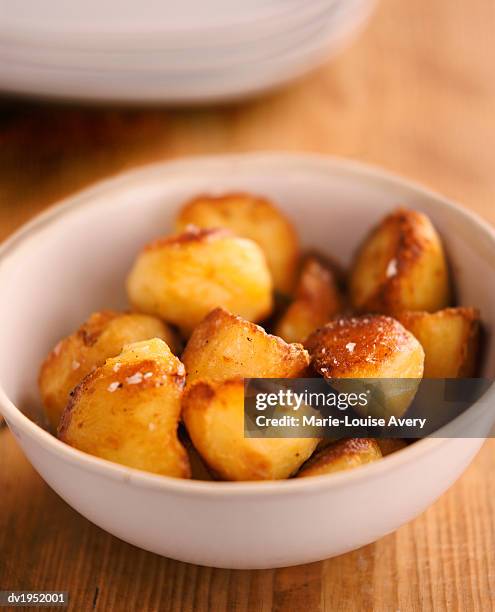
[174, 51]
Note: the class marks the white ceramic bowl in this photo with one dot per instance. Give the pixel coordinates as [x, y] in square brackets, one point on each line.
[73, 259]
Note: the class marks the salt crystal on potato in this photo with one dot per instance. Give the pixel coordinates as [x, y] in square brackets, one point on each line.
[103, 335]
[370, 347]
[400, 265]
[130, 414]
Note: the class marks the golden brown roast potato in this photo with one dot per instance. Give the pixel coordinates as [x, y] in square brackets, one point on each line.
[368, 347]
[449, 338]
[226, 346]
[317, 300]
[342, 455]
[103, 335]
[128, 410]
[183, 278]
[390, 445]
[213, 413]
[254, 218]
[400, 266]
[339, 272]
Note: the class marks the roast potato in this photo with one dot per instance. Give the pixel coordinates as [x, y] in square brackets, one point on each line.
[390, 445]
[225, 346]
[449, 338]
[254, 218]
[368, 347]
[342, 455]
[400, 266]
[317, 300]
[182, 278]
[103, 335]
[371, 346]
[128, 410]
[213, 412]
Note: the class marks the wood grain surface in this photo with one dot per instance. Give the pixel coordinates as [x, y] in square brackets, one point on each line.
[415, 94]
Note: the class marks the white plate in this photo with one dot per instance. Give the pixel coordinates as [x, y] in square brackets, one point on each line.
[192, 59]
[205, 86]
[74, 258]
[56, 23]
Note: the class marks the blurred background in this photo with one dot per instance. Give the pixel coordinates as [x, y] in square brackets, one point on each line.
[406, 85]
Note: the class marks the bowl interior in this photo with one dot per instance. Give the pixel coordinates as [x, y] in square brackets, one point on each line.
[74, 259]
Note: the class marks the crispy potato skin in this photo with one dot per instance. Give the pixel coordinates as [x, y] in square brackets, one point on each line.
[400, 266]
[225, 346]
[450, 339]
[373, 346]
[369, 347]
[255, 218]
[342, 455]
[390, 445]
[103, 335]
[317, 300]
[127, 410]
[339, 272]
[213, 413]
[182, 278]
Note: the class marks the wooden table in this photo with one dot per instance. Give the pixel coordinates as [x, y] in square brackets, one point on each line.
[415, 94]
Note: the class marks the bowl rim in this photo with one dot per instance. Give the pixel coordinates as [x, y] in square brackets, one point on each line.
[21, 425]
